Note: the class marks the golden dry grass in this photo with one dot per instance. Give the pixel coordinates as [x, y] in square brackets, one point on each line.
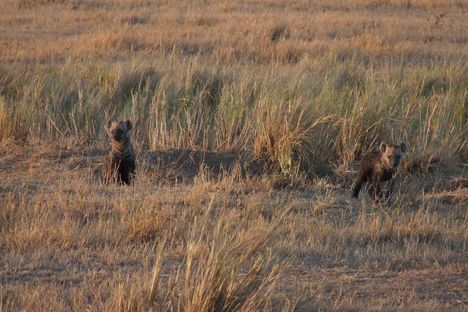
[70, 242]
[249, 119]
[263, 31]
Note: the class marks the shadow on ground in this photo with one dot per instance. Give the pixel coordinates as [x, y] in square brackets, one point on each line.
[186, 164]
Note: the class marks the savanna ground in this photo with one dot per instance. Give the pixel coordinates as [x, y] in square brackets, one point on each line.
[249, 119]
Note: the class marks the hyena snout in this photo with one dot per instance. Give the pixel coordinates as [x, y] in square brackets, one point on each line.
[396, 160]
[118, 135]
[119, 131]
[393, 153]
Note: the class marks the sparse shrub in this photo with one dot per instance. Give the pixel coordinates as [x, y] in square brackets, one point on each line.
[352, 80]
[32, 3]
[279, 32]
[130, 81]
[285, 135]
[9, 129]
[433, 86]
[133, 20]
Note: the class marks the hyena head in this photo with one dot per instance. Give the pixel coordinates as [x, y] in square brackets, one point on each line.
[119, 131]
[392, 154]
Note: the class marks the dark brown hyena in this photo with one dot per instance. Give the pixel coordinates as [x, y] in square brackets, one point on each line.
[120, 165]
[377, 167]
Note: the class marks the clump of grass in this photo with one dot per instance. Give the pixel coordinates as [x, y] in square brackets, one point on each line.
[8, 128]
[286, 135]
[279, 32]
[219, 272]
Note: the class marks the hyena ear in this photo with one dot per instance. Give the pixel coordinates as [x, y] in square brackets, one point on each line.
[383, 147]
[403, 147]
[109, 124]
[129, 124]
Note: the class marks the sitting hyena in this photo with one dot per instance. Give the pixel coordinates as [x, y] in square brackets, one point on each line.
[377, 167]
[120, 165]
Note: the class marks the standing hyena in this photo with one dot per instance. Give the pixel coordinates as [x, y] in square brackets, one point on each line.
[120, 165]
[377, 167]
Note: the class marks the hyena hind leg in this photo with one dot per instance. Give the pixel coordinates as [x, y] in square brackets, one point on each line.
[389, 189]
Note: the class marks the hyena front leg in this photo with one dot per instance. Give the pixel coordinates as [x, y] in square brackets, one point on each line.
[357, 185]
[389, 189]
[375, 191]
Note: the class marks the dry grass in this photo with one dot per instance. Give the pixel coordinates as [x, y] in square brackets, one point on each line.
[231, 242]
[249, 119]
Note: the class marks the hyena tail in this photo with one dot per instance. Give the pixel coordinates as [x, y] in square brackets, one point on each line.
[357, 186]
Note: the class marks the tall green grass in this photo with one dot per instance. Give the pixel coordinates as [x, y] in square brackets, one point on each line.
[329, 111]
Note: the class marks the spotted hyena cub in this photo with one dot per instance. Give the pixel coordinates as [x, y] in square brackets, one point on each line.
[120, 165]
[377, 167]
